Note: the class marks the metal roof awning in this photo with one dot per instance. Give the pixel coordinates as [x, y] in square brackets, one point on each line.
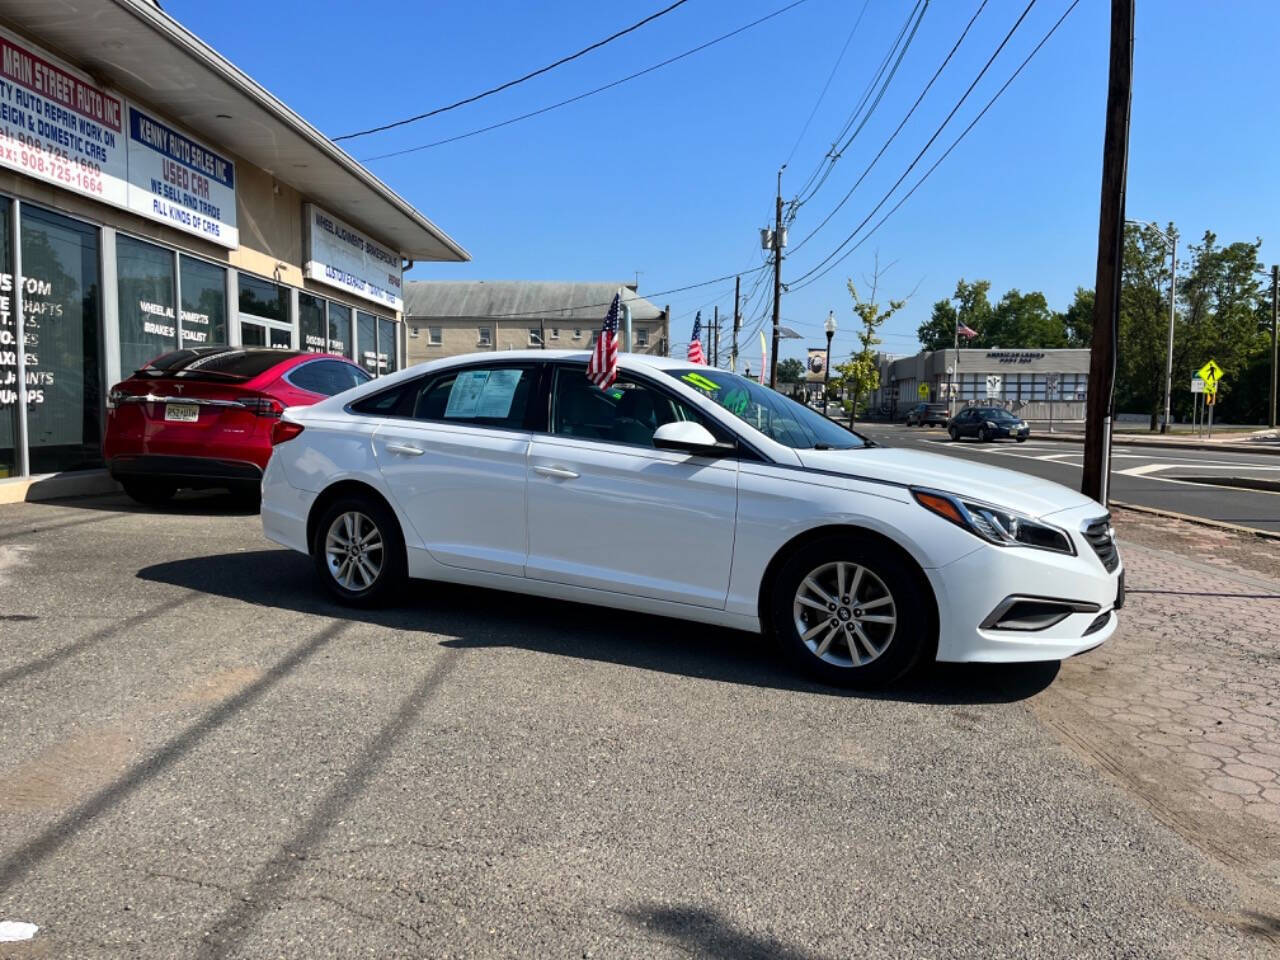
[135, 47]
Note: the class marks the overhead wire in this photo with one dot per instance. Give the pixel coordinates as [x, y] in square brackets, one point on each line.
[945, 154]
[511, 83]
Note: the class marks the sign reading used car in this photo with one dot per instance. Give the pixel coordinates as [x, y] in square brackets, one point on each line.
[341, 256]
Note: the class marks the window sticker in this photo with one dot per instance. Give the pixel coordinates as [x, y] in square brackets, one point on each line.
[464, 397]
[701, 382]
[736, 402]
[497, 394]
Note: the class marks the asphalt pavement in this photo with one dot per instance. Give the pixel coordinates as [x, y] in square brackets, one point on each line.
[1182, 480]
[200, 756]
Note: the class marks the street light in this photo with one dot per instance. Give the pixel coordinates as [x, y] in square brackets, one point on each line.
[830, 327]
[1170, 240]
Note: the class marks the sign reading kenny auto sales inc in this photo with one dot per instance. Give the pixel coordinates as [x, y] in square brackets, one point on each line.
[340, 255]
[58, 126]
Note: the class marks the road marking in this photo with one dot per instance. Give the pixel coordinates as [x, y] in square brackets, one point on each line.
[1143, 470]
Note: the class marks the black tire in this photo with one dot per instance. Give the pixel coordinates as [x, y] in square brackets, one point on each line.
[149, 492]
[391, 572]
[905, 641]
[984, 435]
[247, 496]
[1022, 439]
[954, 434]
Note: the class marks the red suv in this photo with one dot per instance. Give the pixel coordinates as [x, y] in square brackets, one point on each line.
[203, 417]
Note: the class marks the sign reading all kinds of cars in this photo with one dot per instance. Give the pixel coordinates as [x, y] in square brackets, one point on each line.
[58, 126]
[177, 180]
[340, 255]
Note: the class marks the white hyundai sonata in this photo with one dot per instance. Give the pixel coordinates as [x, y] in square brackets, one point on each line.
[689, 492]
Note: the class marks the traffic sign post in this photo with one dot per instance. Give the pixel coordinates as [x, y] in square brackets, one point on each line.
[1197, 391]
[922, 391]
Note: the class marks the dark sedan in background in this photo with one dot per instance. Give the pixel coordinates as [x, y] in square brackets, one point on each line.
[988, 423]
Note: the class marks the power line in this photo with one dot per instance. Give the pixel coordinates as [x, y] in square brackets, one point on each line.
[947, 152]
[892, 136]
[590, 93]
[511, 83]
[937, 133]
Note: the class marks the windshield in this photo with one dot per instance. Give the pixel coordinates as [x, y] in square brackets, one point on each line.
[996, 413]
[777, 417]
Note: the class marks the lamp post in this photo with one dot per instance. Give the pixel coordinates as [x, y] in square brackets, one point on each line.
[830, 327]
[1170, 240]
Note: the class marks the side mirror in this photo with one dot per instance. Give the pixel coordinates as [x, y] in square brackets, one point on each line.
[689, 437]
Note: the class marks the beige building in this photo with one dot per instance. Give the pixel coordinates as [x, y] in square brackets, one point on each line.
[447, 318]
[154, 197]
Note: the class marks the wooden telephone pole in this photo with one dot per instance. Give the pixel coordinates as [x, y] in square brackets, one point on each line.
[1110, 270]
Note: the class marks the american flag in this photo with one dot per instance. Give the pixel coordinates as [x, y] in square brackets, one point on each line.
[695, 341]
[602, 368]
[964, 330]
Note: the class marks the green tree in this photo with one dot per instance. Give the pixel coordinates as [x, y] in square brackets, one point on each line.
[860, 374]
[1077, 321]
[1144, 320]
[971, 307]
[790, 370]
[1024, 320]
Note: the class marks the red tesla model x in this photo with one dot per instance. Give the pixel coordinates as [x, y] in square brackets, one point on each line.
[203, 417]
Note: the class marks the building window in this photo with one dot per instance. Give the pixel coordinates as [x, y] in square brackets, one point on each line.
[340, 341]
[264, 314]
[642, 336]
[535, 336]
[435, 336]
[145, 295]
[367, 341]
[415, 332]
[388, 349]
[9, 372]
[577, 333]
[484, 337]
[312, 336]
[203, 321]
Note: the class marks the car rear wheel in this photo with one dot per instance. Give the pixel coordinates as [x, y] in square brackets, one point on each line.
[359, 551]
[149, 492]
[984, 435]
[954, 434]
[850, 612]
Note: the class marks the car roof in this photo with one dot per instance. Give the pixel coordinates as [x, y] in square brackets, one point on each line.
[631, 360]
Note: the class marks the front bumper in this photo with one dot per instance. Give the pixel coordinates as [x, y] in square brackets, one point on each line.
[971, 588]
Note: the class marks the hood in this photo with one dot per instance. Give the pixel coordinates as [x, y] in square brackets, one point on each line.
[995, 485]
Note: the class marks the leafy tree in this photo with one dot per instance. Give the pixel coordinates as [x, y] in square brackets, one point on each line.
[1077, 321]
[860, 374]
[1144, 320]
[790, 370]
[1024, 320]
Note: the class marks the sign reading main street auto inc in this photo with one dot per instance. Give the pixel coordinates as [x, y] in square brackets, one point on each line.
[340, 255]
[58, 126]
[177, 180]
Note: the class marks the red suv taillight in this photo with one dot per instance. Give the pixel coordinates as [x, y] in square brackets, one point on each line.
[261, 406]
[283, 430]
[116, 396]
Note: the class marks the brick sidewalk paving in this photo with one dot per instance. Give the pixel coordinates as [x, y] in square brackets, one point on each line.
[1182, 706]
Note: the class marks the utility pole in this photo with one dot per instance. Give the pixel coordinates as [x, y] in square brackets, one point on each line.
[737, 323]
[715, 336]
[1275, 317]
[777, 284]
[1106, 309]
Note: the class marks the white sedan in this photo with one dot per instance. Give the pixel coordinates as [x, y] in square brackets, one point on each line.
[688, 492]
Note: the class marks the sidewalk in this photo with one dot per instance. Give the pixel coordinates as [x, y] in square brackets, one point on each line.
[1182, 706]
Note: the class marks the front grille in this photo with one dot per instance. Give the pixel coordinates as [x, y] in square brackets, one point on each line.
[1098, 533]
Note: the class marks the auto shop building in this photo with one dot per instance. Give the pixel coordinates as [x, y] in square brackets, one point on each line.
[153, 196]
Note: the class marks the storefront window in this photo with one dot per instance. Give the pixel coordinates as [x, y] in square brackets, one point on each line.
[8, 353]
[367, 341]
[148, 321]
[311, 329]
[386, 345]
[61, 303]
[264, 314]
[204, 303]
[340, 330]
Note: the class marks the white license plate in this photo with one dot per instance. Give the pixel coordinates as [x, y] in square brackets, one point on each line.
[181, 412]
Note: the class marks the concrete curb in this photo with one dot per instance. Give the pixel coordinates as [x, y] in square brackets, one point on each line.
[1201, 521]
[1120, 439]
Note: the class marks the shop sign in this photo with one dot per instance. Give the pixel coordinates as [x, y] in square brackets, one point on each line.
[341, 256]
[1014, 356]
[175, 179]
[56, 125]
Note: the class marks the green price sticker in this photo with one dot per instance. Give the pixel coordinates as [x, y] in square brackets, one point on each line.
[701, 382]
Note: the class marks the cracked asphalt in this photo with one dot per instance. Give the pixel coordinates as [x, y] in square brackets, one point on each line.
[200, 756]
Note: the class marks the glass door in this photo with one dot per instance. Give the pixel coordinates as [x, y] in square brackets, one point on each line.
[264, 314]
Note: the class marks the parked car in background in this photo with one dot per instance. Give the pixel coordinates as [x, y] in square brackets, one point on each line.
[202, 417]
[987, 424]
[689, 492]
[928, 415]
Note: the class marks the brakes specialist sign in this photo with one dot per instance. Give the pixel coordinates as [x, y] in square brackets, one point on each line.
[177, 180]
[58, 126]
[340, 255]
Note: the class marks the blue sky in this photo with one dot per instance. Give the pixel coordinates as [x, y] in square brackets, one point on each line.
[673, 174]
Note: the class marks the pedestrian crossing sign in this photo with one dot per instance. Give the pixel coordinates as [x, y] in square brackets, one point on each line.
[1210, 373]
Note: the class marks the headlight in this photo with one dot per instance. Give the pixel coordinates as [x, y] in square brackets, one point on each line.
[996, 525]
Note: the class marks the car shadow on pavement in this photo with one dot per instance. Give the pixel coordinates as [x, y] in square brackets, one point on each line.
[477, 619]
[704, 933]
[185, 503]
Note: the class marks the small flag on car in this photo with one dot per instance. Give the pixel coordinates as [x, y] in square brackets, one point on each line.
[695, 341]
[602, 368]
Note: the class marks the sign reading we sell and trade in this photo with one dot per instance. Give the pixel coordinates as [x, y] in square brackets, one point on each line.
[58, 126]
[177, 180]
[340, 255]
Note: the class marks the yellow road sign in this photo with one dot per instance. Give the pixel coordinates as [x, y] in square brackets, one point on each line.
[922, 391]
[1210, 373]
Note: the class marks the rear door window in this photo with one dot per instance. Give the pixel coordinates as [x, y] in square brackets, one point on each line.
[327, 377]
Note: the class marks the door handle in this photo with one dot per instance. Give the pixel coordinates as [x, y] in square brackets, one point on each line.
[559, 473]
[408, 449]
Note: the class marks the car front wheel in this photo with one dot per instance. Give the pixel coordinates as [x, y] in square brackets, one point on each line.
[850, 613]
[359, 551]
[954, 434]
[984, 435]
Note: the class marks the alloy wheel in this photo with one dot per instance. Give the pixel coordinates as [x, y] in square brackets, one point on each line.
[844, 614]
[353, 551]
